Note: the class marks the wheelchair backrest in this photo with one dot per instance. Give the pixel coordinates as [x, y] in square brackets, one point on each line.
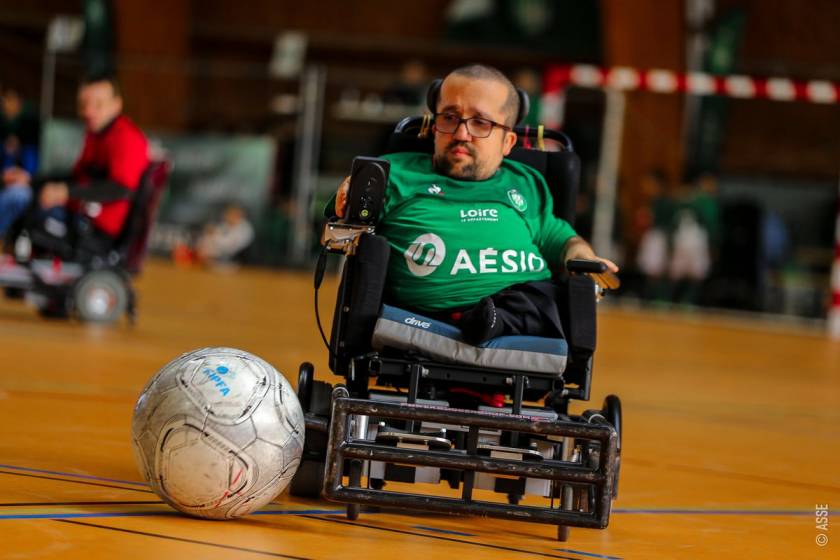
[132, 241]
[560, 167]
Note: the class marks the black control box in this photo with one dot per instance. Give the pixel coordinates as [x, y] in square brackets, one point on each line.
[366, 197]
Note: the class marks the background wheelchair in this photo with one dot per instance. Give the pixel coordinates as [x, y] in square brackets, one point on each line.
[421, 406]
[68, 277]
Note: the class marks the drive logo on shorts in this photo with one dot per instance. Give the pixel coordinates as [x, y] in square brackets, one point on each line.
[517, 200]
[425, 254]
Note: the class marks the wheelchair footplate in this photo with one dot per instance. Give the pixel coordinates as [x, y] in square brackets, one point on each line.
[14, 275]
[478, 452]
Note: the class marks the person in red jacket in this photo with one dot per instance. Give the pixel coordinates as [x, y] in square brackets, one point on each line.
[108, 171]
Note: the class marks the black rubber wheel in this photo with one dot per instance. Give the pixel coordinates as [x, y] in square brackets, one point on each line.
[612, 412]
[54, 308]
[100, 296]
[14, 293]
[306, 375]
[308, 480]
[355, 482]
[320, 403]
[562, 533]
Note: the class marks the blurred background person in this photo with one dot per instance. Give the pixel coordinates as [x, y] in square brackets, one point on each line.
[691, 260]
[19, 138]
[92, 205]
[220, 244]
[656, 219]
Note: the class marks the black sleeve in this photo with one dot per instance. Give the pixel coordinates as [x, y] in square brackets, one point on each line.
[102, 190]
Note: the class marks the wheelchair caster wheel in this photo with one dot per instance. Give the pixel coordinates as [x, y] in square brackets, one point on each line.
[562, 533]
[612, 412]
[53, 308]
[308, 480]
[306, 376]
[14, 293]
[355, 482]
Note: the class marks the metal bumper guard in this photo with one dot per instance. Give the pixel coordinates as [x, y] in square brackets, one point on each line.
[344, 446]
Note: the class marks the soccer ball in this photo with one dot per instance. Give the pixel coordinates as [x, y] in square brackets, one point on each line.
[218, 433]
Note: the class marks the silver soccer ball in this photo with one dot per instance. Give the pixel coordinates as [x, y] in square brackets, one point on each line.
[218, 433]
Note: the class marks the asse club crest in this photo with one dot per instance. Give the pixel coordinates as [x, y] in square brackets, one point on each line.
[517, 200]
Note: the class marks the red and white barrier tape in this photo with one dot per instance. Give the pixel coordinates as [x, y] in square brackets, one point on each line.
[625, 78]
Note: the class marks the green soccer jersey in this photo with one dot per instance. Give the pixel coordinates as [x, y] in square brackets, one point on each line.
[454, 242]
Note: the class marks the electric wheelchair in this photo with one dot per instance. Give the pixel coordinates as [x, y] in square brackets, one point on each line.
[419, 405]
[78, 275]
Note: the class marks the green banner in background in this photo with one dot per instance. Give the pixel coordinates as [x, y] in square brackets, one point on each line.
[208, 172]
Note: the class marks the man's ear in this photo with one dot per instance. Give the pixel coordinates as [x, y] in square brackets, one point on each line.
[509, 142]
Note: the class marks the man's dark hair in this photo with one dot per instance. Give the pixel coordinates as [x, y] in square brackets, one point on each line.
[96, 78]
[484, 72]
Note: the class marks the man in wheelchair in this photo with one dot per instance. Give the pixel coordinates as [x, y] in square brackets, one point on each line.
[76, 246]
[86, 211]
[448, 299]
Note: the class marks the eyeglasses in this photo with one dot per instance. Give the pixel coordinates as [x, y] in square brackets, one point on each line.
[477, 127]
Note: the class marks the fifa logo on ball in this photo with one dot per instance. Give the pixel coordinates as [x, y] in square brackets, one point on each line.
[215, 377]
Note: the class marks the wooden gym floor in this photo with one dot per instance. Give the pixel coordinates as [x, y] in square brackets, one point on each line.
[732, 437]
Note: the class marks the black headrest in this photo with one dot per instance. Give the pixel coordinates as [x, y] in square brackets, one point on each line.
[433, 94]
[561, 171]
[132, 240]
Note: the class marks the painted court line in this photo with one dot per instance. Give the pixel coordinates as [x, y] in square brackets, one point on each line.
[440, 538]
[73, 475]
[781, 512]
[157, 513]
[444, 531]
[144, 489]
[592, 554]
[185, 540]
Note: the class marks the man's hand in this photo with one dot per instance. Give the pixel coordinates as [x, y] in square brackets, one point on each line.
[341, 197]
[16, 176]
[54, 194]
[577, 248]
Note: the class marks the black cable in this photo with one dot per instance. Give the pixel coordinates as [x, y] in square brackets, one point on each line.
[320, 267]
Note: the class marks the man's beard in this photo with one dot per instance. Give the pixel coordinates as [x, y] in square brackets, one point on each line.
[466, 172]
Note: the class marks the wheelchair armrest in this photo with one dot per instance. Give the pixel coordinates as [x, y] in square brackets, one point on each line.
[359, 300]
[605, 279]
[583, 266]
[101, 192]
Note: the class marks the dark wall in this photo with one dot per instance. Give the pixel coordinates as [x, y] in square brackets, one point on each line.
[646, 34]
[23, 25]
[786, 38]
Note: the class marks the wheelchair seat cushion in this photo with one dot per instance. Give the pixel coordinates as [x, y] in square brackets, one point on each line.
[406, 330]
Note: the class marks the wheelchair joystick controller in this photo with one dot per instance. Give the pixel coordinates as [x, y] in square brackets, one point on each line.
[367, 190]
[365, 199]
